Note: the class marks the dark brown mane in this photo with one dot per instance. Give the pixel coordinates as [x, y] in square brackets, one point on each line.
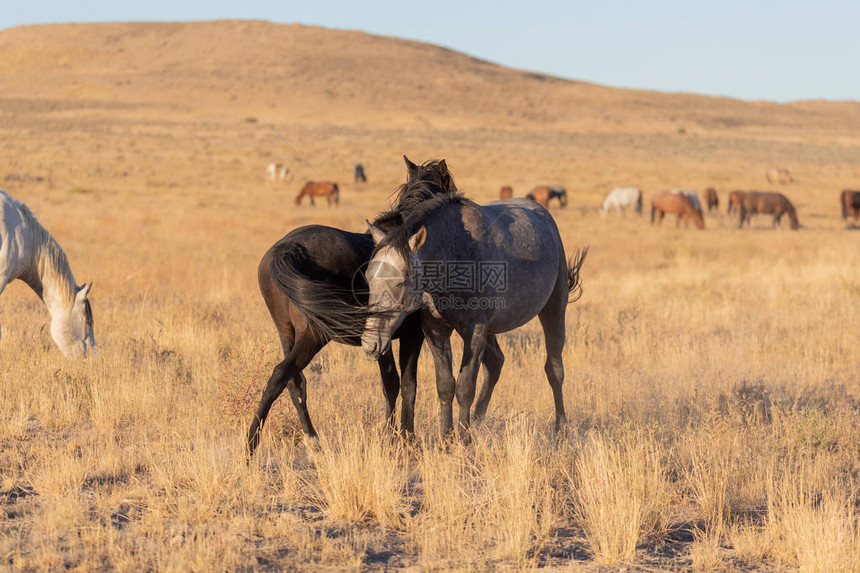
[424, 182]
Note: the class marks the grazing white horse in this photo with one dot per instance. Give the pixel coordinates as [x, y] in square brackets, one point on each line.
[692, 195]
[622, 198]
[29, 252]
[277, 171]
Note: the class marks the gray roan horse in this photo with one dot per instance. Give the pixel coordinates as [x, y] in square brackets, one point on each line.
[516, 237]
[313, 285]
[29, 252]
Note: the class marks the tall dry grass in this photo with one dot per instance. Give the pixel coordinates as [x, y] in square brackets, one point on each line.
[621, 495]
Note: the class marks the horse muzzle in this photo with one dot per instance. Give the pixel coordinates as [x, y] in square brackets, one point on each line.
[374, 346]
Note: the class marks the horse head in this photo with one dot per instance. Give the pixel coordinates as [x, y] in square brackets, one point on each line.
[392, 293]
[72, 330]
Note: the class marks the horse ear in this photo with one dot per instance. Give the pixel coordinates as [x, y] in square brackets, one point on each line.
[83, 292]
[411, 168]
[376, 233]
[416, 240]
[443, 167]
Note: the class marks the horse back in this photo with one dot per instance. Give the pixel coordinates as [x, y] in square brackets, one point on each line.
[14, 246]
[312, 277]
[521, 238]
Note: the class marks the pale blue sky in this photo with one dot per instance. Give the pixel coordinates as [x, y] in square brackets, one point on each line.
[775, 50]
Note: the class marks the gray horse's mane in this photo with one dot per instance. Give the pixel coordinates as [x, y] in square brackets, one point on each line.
[398, 238]
[52, 264]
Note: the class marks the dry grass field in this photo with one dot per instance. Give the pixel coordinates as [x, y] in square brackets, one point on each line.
[713, 376]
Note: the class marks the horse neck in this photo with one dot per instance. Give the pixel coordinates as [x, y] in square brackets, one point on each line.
[792, 214]
[50, 276]
[440, 230]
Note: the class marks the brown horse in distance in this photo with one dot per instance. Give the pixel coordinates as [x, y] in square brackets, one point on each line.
[507, 192]
[541, 195]
[678, 204]
[325, 189]
[712, 199]
[779, 175]
[850, 201]
[735, 198]
[769, 203]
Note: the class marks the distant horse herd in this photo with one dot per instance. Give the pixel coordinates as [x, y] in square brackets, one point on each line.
[684, 204]
[323, 284]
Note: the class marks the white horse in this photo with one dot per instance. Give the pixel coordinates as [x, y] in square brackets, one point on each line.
[692, 195]
[277, 171]
[622, 198]
[29, 252]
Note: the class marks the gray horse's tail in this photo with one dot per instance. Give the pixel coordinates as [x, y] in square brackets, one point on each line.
[574, 280]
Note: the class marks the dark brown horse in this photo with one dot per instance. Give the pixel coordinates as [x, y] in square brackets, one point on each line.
[850, 201]
[712, 199]
[507, 192]
[678, 204]
[313, 284]
[541, 195]
[735, 198]
[325, 189]
[767, 202]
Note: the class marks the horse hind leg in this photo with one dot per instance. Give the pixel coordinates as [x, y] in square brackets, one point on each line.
[493, 360]
[552, 320]
[286, 374]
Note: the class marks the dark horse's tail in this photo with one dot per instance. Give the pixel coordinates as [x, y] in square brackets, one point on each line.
[574, 280]
[653, 211]
[333, 310]
[844, 200]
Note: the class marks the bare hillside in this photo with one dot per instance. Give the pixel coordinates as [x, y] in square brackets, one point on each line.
[292, 68]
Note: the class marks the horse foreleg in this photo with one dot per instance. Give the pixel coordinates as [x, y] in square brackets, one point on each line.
[493, 361]
[390, 385]
[438, 336]
[411, 339]
[474, 345]
[3, 283]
